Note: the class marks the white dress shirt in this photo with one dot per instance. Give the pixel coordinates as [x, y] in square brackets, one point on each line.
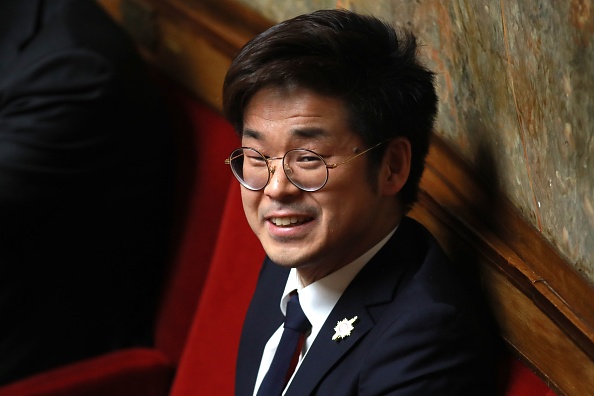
[317, 301]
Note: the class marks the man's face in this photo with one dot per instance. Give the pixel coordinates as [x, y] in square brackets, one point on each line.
[328, 228]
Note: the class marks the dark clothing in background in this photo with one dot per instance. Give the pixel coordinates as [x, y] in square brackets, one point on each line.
[85, 187]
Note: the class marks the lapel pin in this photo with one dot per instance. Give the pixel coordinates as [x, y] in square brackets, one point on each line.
[343, 328]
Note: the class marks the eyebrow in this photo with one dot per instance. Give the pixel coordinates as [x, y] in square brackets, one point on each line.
[250, 133]
[307, 133]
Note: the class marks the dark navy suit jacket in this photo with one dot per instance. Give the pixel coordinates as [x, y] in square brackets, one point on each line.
[419, 331]
[85, 187]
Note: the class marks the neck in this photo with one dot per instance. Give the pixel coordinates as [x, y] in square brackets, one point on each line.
[309, 274]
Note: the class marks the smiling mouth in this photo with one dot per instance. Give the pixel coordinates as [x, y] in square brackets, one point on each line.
[288, 221]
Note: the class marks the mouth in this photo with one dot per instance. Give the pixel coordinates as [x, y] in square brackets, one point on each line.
[290, 221]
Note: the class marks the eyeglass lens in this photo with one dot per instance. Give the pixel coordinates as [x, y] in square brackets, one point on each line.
[304, 168]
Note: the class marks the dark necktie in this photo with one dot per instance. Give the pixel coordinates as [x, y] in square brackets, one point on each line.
[296, 324]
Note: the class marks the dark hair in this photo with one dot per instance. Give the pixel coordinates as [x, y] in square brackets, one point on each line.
[368, 64]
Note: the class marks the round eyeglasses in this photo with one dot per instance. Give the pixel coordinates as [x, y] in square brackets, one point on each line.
[306, 169]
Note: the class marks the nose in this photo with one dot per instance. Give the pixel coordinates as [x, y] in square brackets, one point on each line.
[280, 187]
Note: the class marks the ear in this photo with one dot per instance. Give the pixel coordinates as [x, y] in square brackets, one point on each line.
[395, 166]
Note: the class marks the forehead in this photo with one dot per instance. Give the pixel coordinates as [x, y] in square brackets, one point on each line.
[275, 114]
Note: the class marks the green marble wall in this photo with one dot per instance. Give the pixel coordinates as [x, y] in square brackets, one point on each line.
[516, 82]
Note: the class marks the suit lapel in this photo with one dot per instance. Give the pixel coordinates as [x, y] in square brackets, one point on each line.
[325, 352]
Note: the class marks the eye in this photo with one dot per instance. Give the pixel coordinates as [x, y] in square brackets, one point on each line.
[306, 161]
[255, 160]
[308, 158]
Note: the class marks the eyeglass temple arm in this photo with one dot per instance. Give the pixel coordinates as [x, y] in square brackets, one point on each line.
[332, 166]
[228, 160]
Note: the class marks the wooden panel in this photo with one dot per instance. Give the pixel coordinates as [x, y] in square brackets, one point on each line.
[541, 303]
[532, 335]
[537, 338]
[494, 210]
[527, 320]
[493, 224]
[192, 41]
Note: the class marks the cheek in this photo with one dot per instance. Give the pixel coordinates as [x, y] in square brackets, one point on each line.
[334, 210]
[348, 208]
[250, 207]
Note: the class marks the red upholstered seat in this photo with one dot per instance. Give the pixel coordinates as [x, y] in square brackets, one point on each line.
[519, 380]
[205, 139]
[137, 371]
[207, 366]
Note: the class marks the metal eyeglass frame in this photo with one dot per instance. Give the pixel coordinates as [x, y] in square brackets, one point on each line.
[271, 168]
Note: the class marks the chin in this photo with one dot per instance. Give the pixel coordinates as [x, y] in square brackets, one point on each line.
[286, 257]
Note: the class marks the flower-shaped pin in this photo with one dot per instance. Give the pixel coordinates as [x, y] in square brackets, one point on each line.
[343, 328]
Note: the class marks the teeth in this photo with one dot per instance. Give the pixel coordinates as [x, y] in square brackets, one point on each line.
[285, 221]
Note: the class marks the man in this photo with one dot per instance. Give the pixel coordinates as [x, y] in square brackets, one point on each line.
[335, 114]
[85, 187]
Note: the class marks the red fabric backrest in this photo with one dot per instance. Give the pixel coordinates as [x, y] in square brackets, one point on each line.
[207, 366]
[204, 139]
[135, 371]
[518, 380]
